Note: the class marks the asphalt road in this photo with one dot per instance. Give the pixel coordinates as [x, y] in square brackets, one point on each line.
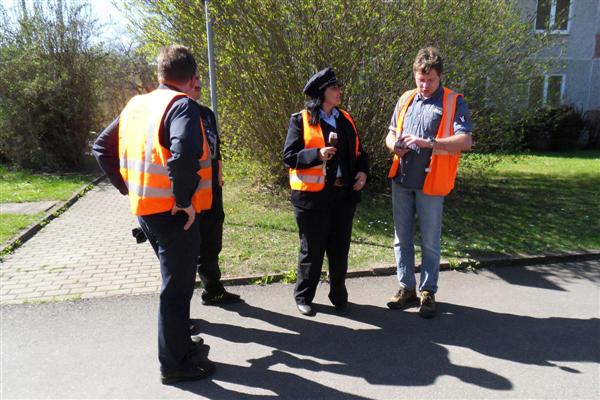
[513, 332]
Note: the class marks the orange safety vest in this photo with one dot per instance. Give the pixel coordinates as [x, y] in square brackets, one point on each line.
[441, 172]
[143, 160]
[313, 179]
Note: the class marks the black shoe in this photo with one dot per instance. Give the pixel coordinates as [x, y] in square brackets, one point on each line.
[305, 309]
[219, 298]
[341, 309]
[194, 372]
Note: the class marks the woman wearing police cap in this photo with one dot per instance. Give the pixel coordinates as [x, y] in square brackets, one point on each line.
[328, 168]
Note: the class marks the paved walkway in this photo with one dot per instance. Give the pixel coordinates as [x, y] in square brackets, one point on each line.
[526, 332]
[26, 208]
[87, 252]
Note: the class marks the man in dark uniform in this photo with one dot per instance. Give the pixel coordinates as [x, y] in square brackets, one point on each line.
[172, 232]
[210, 221]
[326, 177]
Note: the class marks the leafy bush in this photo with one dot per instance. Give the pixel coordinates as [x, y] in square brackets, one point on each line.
[592, 129]
[124, 73]
[551, 128]
[48, 68]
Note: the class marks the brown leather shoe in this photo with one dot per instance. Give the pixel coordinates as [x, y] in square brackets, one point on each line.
[402, 298]
[427, 309]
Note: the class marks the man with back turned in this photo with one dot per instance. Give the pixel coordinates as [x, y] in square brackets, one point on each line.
[156, 153]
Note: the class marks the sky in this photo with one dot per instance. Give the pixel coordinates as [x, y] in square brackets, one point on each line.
[110, 16]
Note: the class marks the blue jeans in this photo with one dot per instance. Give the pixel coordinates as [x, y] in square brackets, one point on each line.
[406, 204]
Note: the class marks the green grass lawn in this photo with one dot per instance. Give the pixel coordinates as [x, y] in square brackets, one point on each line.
[22, 186]
[10, 224]
[525, 205]
[545, 202]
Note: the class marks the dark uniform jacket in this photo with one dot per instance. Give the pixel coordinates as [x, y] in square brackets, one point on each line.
[214, 142]
[296, 156]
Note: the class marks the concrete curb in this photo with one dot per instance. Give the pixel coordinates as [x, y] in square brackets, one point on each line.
[52, 213]
[510, 261]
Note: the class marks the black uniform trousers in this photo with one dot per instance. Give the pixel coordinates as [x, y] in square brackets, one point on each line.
[177, 252]
[323, 232]
[210, 225]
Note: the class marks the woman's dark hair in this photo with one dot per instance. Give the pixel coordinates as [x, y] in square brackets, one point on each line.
[314, 106]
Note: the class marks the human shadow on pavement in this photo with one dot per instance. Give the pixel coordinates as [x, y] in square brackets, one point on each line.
[396, 348]
[268, 382]
[549, 276]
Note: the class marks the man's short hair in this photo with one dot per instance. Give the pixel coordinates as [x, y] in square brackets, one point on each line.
[176, 64]
[428, 58]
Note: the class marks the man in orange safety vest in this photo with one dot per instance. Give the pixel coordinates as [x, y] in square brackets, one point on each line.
[429, 128]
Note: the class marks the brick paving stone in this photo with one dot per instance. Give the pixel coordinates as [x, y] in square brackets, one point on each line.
[14, 285]
[153, 285]
[121, 282]
[87, 289]
[149, 279]
[103, 275]
[118, 292]
[108, 288]
[22, 291]
[134, 285]
[73, 286]
[57, 292]
[26, 296]
[45, 288]
[136, 275]
[145, 290]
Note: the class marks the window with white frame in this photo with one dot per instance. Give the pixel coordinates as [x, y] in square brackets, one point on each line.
[546, 90]
[553, 15]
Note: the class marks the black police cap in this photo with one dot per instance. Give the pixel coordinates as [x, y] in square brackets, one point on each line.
[319, 82]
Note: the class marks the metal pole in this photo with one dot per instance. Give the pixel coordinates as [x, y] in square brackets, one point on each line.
[211, 61]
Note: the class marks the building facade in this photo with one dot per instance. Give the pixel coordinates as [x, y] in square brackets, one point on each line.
[573, 76]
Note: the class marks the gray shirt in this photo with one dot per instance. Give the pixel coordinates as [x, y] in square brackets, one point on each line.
[422, 119]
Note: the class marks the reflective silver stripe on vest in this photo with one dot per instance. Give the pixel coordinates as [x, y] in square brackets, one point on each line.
[320, 167]
[206, 163]
[204, 184]
[141, 166]
[149, 192]
[307, 178]
[150, 140]
[152, 192]
[449, 116]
